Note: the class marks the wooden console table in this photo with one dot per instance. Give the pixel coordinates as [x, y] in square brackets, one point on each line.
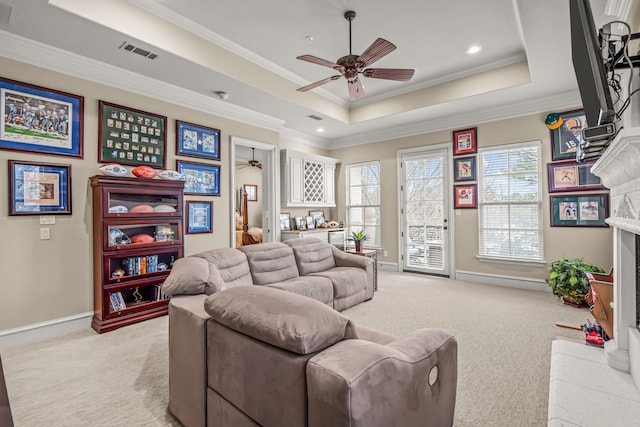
[373, 254]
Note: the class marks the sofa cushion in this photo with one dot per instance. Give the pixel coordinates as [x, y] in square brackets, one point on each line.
[230, 267]
[346, 280]
[283, 319]
[270, 262]
[312, 255]
[318, 288]
[189, 276]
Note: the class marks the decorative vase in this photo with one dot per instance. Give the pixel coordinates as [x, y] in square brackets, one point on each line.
[358, 245]
[574, 302]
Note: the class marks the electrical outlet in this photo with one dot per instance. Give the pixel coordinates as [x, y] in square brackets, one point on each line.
[47, 219]
[385, 253]
[45, 233]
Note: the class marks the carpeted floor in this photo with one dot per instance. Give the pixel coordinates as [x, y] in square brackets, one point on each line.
[120, 378]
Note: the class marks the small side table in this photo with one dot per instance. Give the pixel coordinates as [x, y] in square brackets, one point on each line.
[373, 254]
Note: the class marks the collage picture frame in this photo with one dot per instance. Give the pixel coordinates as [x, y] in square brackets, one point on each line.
[588, 210]
[197, 141]
[200, 178]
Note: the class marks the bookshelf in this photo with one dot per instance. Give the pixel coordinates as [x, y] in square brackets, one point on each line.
[137, 235]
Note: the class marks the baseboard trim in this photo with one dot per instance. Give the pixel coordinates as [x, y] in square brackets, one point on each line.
[388, 266]
[39, 331]
[500, 280]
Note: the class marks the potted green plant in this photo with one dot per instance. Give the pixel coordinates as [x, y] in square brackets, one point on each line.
[568, 279]
[357, 237]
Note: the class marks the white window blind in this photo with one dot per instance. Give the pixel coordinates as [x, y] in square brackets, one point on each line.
[510, 202]
[363, 201]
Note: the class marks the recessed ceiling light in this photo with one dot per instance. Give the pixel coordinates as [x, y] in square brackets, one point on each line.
[221, 94]
[309, 39]
[320, 130]
[474, 49]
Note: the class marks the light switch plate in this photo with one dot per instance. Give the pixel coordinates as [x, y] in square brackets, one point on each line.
[45, 233]
[47, 219]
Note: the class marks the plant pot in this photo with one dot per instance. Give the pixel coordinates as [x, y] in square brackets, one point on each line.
[579, 303]
[358, 246]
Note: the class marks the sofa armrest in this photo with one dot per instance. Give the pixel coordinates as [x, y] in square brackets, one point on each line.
[409, 382]
[188, 359]
[344, 259]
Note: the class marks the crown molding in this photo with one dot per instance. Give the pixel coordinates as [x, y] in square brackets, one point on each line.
[303, 138]
[557, 102]
[24, 50]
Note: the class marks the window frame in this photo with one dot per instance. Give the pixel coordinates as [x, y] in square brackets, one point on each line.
[525, 259]
[371, 243]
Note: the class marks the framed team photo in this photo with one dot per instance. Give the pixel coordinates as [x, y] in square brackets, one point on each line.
[465, 141]
[40, 120]
[197, 141]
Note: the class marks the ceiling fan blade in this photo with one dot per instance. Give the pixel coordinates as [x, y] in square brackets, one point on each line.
[356, 91]
[399, 74]
[377, 50]
[318, 83]
[320, 61]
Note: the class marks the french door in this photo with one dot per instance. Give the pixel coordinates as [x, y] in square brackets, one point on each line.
[424, 211]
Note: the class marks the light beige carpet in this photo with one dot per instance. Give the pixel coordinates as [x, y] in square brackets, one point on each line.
[120, 378]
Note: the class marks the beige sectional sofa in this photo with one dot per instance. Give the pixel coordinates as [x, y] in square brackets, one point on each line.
[279, 354]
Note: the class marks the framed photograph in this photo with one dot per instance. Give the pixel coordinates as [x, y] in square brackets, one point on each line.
[197, 141]
[310, 223]
[199, 217]
[316, 214]
[39, 188]
[131, 137]
[464, 169]
[465, 141]
[572, 176]
[300, 223]
[285, 221]
[580, 211]
[40, 120]
[465, 196]
[252, 192]
[200, 178]
[566, 139]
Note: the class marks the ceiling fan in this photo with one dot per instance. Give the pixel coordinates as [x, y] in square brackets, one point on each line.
[351, 65]
[251, 163]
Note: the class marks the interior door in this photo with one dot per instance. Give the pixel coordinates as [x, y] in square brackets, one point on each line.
[424, 212]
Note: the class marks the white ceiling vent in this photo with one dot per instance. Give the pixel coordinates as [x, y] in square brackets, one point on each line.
[139, 51]
[314, 117]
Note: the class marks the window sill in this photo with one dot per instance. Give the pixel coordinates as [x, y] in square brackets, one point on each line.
[483, 258]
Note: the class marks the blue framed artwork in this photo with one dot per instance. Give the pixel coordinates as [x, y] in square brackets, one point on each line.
[41, 120]
[199, 178]
[200, 217]
[38, 188]
[197, 141]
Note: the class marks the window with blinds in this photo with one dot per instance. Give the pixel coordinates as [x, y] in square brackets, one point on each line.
[510, 202]
[363, 201]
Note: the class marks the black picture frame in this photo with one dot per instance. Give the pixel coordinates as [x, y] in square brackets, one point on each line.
[129, 136]
[566, 138]
[464, 169]
[199, 178]
[199, 217]
[197, 140]
[465, 141]
[41, 120]
[465, 196]
[588, 210]
[39, 188]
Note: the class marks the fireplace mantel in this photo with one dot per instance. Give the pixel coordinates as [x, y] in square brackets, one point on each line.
[619, 169]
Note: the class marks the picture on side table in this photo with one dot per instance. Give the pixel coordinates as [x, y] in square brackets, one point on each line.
[285, 221]
[38, 188]
[40, 120]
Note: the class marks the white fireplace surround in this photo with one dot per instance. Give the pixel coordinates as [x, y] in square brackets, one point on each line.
[619, 169]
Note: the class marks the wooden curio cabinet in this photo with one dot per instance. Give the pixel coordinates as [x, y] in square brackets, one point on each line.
[137, 236]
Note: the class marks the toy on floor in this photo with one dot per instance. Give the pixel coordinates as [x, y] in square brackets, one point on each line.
[594, 335]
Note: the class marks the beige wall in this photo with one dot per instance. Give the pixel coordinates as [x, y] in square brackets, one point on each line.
[50, 279]
[592, 244]
[253, 176]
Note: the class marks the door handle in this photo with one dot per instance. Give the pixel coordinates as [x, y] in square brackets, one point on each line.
[445, 228]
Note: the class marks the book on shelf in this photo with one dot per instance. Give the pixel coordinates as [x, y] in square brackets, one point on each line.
[117, 301]
[140, 265]
[159, 295]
